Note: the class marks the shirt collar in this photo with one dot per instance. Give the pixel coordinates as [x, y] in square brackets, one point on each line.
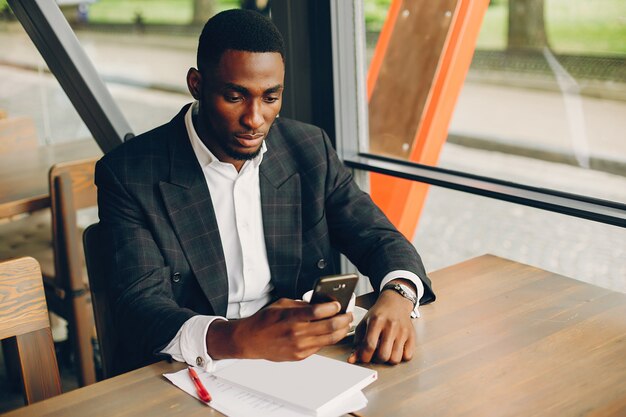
[203, 154]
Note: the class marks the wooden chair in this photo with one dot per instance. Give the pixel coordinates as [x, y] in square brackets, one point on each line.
[72, 188]
[107, 336]
[25, 328]
[27, 234]
[53, 238]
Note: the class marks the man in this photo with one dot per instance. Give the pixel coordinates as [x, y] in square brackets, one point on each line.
[227, 208]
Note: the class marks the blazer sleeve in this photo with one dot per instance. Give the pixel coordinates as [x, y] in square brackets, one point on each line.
[145, 312]
[361, 231]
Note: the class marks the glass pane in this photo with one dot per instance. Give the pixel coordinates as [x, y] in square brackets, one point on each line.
[456, 226]
[29, 94]
[549, 87]
[142, 49]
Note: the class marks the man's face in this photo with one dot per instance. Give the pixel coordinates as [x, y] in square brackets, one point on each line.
[239, 100]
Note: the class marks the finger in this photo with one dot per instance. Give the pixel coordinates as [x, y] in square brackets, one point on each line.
[397, 352]
[409, 347]
[338, 336]
[386, 342]
[317, 342]
[340, 322]
[303, 354]
[287, 302]
[324, 310]
[305, 330]
[367, 347]
[299, 311]
[330, 338]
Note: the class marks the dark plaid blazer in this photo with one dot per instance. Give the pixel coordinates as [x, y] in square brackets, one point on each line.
[161, 240]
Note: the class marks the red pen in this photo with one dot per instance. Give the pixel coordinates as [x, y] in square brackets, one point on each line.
[202, 392]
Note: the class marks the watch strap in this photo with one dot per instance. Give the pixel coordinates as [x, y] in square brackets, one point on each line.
[403, 290]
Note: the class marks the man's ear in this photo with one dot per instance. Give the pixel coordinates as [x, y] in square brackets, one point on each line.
[194, 83]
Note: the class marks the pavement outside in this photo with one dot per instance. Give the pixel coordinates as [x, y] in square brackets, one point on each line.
[527, 127]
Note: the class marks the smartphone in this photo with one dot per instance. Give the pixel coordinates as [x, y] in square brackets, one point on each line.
[335, 288]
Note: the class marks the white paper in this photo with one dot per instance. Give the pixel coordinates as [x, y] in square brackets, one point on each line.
[312, 385]
[237, 402]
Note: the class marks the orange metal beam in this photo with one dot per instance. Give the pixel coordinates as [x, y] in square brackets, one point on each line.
[403, 200]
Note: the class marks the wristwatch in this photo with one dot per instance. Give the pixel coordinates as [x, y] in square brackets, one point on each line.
[403, 290]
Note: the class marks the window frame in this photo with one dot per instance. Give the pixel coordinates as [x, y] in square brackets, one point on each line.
[347, 28]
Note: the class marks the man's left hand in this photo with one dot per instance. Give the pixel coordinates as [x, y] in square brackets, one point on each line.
[385, 334]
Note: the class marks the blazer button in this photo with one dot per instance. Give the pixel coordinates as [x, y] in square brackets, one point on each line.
[321, 264]
[176, 277]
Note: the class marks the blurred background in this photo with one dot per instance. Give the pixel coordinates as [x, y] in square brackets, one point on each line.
[543, 104]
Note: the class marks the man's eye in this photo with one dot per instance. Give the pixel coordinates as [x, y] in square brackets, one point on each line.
[271, 99]
[232, 99]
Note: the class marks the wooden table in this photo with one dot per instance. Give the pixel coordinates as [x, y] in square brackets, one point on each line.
[24, 175]
[502, 339]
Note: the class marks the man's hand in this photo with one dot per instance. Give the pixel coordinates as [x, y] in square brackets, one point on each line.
[286, 330]
[386, 333]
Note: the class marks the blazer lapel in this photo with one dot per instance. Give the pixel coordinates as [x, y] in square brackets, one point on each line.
[189, 205]
[282, 220]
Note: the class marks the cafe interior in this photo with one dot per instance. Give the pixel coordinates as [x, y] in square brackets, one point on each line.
[475, 152]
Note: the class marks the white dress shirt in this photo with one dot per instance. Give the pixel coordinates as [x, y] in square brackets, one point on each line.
[236, 199]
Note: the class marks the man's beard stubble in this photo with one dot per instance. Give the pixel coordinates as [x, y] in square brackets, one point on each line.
[239, 156]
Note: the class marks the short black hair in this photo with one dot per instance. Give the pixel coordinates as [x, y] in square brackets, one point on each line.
[239, 30]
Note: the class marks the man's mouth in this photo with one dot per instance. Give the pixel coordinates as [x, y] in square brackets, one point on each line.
[250, 140]
[250, 136]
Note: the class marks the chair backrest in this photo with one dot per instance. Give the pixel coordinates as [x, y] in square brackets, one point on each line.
[25, 328]
[71, 188]
[107, 336]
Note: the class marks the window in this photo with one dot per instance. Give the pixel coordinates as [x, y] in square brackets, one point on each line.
[543, 102]
[29, 92]
[518, 124]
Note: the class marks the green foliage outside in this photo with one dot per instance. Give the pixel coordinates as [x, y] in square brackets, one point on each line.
[583, 27]
[580, 27]
[179, 11]
[152, 11]
[375, 14]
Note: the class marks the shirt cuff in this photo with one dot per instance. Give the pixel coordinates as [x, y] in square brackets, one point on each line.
[189, 344]
[408, 275]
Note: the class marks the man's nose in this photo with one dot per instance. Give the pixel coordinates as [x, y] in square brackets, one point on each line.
[253, 118]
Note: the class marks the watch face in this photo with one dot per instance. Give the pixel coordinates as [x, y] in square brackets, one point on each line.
[408, 290]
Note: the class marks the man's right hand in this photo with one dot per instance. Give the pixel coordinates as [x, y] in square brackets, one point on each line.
[286, 330]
